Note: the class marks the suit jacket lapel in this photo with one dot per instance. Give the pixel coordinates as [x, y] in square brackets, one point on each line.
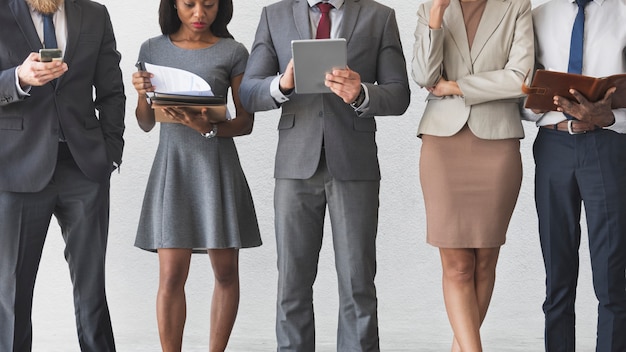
[489, 22]
[73, 16]
[453, 19]
[301, 18]
[21, 12]
[350, 17]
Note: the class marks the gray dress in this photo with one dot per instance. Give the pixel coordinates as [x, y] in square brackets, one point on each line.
[197, 195]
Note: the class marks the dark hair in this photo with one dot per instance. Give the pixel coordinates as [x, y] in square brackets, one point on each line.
[170, 23]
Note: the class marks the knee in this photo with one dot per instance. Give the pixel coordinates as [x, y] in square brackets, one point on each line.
[226, 275]
[460, 272]
[485, 271]
[171, 281]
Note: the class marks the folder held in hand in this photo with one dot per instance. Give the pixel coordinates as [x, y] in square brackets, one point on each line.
[547, 84]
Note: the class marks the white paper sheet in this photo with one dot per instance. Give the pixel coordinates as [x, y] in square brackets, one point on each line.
[174, 80]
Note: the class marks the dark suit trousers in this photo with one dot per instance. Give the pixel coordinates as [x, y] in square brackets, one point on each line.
[81, 207]
[590, 169]
[300, 207]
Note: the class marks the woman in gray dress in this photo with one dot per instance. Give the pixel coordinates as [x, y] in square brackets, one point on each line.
[197, 198]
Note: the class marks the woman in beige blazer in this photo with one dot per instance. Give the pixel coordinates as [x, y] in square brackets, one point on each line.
[472, 57]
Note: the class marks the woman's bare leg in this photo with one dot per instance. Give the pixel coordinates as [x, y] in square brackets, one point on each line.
[225, 302]
[171, 303]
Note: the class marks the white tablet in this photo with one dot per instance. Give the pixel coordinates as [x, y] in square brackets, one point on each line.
[312, 59]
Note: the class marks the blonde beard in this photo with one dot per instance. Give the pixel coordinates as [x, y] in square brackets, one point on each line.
[45, 6]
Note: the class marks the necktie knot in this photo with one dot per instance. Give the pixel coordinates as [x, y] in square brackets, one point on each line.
[323, 27]
[49, 36]
[582, 3]
[326, 7]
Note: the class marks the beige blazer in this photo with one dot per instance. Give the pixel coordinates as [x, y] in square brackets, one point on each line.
[490, 75]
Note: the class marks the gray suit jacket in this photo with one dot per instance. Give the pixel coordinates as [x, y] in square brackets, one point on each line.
[29, 126]
[490, 75]
[374, 51]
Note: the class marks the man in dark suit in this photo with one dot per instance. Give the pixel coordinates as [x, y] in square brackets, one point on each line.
[327, 156]
[61, 126]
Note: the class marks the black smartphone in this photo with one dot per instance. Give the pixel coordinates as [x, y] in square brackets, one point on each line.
[141, 66]
[48, 55]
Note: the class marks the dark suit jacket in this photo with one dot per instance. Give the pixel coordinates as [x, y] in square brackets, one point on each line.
[29, 126]
[374, 51]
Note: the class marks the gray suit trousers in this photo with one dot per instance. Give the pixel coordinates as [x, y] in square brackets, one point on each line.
[300, 207]
[81, 207]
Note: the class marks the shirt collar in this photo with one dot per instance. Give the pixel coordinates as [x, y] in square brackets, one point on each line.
[599, 2]
[61, 9]
[336, 3]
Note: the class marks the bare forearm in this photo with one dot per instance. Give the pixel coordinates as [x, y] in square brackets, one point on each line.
[144, 114]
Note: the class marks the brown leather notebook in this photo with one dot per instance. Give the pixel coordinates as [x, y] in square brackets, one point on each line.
[547, 84]
[215, 105]
[217, 113]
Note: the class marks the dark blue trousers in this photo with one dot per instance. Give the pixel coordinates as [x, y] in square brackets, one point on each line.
[571, 170]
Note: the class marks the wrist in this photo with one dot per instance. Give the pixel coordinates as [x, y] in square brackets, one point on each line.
[609, 121]
[210, 134]
[283, 87]
[21, 83]
[360, 98]
[436, 17]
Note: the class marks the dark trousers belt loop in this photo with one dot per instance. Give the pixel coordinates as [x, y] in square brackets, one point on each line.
[572, 126]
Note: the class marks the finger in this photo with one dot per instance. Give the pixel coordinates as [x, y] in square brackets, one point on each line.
[33, 56]
[167, 113]
[579, 97]
[171, 113]
[334, 78]
[335, 88]
[609, 93]
[289, 68]
[344, 73]
[561, 103]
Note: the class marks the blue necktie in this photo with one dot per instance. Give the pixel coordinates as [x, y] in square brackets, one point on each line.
[576, 45]
[49, 37]
[50, 42]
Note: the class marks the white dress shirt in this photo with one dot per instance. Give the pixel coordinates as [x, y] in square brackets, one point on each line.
[60, 25]
[604, 44]
[336, 19]
[336, 16]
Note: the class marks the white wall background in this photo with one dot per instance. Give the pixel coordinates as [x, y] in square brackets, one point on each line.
[411, 310]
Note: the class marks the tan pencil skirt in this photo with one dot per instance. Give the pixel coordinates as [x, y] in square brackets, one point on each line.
[470, 188]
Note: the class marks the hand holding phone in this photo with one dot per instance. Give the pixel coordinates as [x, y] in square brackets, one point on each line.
[33, 72]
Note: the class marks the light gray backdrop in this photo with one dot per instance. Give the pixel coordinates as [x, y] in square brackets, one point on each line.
[412, 314]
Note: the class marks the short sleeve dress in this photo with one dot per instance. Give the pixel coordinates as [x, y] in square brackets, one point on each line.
[197, 196]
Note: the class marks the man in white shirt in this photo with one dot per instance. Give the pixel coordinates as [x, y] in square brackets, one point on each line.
[582, 160]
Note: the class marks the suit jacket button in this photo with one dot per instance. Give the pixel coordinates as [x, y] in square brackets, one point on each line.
[321, 113]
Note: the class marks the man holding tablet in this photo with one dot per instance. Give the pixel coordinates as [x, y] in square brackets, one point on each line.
[327, 157]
